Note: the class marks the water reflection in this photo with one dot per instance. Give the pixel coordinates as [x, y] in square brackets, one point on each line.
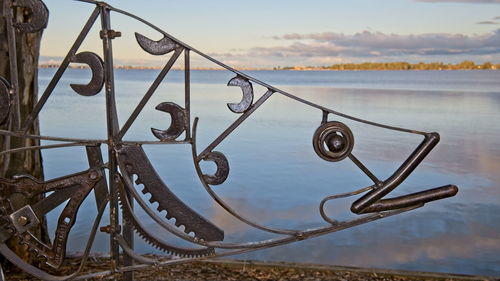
[278, 180]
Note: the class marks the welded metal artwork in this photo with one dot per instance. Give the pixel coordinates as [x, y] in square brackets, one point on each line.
[113, 182]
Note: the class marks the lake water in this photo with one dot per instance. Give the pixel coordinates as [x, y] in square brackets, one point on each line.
[277, 179]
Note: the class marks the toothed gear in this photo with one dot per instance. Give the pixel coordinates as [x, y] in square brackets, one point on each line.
[133, 161]
[130, 217]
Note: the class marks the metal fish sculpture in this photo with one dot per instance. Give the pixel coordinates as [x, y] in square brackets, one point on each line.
[332, 141]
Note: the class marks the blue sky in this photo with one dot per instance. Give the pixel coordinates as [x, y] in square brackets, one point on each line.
[282, 33]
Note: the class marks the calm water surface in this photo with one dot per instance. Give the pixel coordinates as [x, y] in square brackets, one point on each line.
[278, 180]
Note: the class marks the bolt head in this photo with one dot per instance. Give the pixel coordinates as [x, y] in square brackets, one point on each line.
[22, 220]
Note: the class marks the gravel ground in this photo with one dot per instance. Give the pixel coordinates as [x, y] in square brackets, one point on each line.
[237, 270]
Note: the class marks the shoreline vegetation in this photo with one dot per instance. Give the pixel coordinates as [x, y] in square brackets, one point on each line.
[372, 66]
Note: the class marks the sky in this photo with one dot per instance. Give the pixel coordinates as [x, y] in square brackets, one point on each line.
[266, 34]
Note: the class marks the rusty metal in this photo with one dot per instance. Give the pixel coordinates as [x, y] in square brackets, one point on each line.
[332, 141]
[247, 99]
[177, 124]
[157, 48]
[134, 161]
[222, 171]
[97, 67]
[39, 18]
[4, 100]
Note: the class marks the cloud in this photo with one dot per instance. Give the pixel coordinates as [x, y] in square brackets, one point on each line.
[370, 44]
[327, 48]
[462, 1]
[487, 22]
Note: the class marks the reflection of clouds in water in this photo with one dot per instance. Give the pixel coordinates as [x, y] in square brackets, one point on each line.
[259, 214]
[427, 241]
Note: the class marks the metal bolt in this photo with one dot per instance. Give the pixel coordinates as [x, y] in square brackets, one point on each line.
[22, 220]
[93, 175]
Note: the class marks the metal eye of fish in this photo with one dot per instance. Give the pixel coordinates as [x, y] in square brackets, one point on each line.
[333, 141]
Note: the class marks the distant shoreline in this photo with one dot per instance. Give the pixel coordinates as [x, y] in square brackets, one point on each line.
[367, 66]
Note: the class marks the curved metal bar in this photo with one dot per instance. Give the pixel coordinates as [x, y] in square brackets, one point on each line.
[21, 149]
[130, 187]
[35, 271]
[332, 197]
[126, 248]
[274, 89]
[416, 157]
[49, 138]
[264, 244]
[221, 202]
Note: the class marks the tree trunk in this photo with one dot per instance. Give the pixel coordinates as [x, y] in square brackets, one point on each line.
[27, 162]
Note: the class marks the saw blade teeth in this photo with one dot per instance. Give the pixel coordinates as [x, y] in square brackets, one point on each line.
[138, 181]
[168, 215]
[144, 190]
[151, 200]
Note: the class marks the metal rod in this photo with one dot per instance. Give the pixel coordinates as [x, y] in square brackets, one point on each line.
[187, 92]
[336, 196]
[14, 81]
[155, 142]
[112, 128]
[421, 197]
[416, 157]
[49, 138]
[21, 149]
[149, 93]
[235, 124]
[60, 71]
[365, 170]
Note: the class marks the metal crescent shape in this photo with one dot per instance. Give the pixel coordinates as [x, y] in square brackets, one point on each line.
[247, 99]
[222, 172]
[4, 100]
[178, 124]
[39, 18]
[97, 66]
[157, 48]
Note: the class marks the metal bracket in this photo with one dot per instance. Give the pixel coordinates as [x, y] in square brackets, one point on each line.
[24, 219]
[109, 33]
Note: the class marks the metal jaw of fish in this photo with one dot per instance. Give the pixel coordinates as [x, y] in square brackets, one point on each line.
[115, 188]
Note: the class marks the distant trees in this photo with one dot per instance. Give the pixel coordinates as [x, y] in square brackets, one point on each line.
[464, 65]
